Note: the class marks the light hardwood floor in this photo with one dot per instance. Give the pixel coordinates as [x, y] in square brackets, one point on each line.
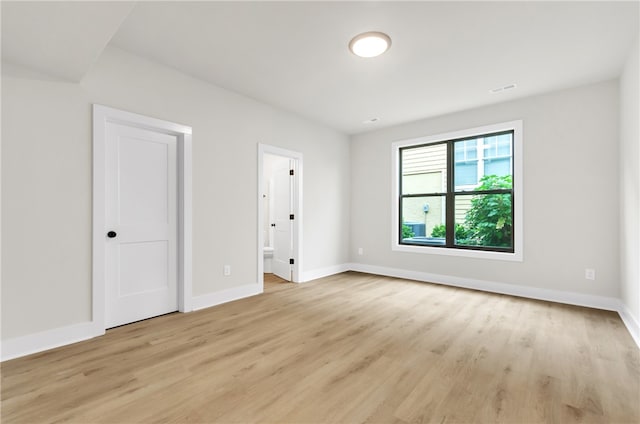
[351, 348]
[274, 283]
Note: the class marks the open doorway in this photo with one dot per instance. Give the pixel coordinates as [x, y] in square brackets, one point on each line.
[279, 216]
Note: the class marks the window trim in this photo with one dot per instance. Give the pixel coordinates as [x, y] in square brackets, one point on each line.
[518, 203]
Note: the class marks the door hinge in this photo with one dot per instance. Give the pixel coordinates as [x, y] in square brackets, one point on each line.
[292, 216]
[291, 261]
[291, 172]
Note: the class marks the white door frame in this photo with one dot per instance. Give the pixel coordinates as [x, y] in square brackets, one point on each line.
[101, 116]
[297, 209]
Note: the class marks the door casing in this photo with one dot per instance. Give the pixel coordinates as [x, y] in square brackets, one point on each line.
[102, 115]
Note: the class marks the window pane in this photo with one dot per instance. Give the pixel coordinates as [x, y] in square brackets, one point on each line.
[497, 163]
[424, 169]
[466, 165]
[484, 220]
[466, 174]
[423, 220]
[504, 144]
[500, 166]
[459, 152]
[466, 150]
[471, 149]
[490, 146]
[497, 146]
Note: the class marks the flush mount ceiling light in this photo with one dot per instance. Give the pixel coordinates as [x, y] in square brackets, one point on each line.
[370, 44]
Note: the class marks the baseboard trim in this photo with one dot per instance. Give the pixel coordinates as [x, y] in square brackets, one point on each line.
[224, 296]
[630, 322]
[57, 337]
[324, 272]
[578, 299]
[570, 298]
[49, 339]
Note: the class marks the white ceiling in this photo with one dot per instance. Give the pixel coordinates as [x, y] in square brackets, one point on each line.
[445, 56]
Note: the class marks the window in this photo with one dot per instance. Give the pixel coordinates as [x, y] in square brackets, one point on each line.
[459, 193]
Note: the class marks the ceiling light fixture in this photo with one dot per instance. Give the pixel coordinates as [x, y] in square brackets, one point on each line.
[370, 44]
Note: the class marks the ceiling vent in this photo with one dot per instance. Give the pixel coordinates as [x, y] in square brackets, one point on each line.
[503, 88]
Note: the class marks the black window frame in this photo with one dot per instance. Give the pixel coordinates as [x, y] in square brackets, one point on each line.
[450, 194]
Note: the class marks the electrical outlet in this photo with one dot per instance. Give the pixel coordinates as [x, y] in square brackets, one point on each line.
[590, 274]
[227, 270]
[360, 251]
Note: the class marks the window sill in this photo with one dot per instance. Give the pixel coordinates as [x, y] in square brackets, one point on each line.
[478, 254]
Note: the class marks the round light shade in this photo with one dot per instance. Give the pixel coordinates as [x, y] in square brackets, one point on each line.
[370, 44]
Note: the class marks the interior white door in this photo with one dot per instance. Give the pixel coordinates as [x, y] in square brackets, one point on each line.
[282, 234]
[141, 221]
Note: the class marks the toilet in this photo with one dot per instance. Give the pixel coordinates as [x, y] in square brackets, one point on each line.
[268, 257]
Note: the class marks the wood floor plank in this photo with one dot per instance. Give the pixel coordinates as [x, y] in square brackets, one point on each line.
[351, 348]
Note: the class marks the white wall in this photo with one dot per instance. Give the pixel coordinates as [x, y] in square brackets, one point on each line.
[630, 184]
[570, 193]
[46, 184]
[46, 206]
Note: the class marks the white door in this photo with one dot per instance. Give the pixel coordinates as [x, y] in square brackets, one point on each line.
[282, 234]
[141, 228]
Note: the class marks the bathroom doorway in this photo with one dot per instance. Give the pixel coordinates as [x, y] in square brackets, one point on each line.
[280, 215]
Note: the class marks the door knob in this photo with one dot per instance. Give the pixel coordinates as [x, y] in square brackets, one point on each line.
[111, 234]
